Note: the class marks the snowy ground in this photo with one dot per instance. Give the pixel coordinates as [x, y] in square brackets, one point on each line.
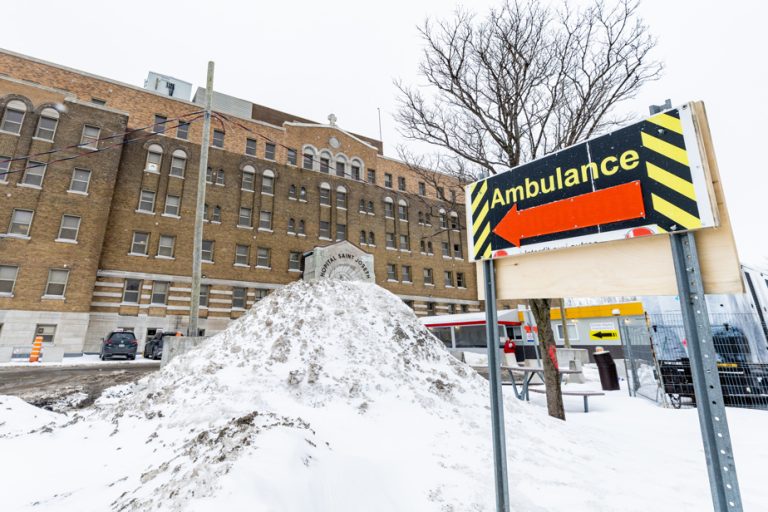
[331, 397]
[83, 360]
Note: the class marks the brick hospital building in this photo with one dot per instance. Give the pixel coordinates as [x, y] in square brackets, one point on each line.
[98, 185]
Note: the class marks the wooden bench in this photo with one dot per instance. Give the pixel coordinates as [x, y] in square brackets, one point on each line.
[584, 394]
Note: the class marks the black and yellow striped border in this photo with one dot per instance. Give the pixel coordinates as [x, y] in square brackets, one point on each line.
[481, 222]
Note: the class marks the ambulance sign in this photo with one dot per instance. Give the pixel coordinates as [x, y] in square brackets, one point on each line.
[644, 179]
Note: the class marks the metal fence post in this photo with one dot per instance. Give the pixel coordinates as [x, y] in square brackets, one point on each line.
[706, 381]
[497, 404]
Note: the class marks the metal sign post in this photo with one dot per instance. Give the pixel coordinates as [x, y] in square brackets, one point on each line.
[497, 404]
[706, 380]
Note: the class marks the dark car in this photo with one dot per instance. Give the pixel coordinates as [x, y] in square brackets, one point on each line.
[119, 343]
[153, 348]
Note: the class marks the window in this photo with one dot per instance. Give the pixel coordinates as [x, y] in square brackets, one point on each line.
[457, 251]
[391, 272]
[460, 282]
[428, 276]
[209, 175]
[46, 126]
[218, 139]
[325, 195]
[389, 210]
[422, 188]
[443, 220]
[57, 282]
[401, 183]
[70, 226]
[361, 208]
[573, 333]
[390, 240]
[147, 201]
[294, 261]
[406, 273]
[440, 193]
[140, 243]
[260, 294]
[131, 291]
[245, 217]
[34, 174]
[159, 125]
[178, 163]
[216, 214]
[13, 117]
[250, 147]
[371, 176]
[446, 249]
[242, 254]
[422, 246]
[409, 303]
[371, 210]
[405, 243]
[308, 161]
[325, 164]
[238, 297]
[355, 174]
[341, 168]
[341, 232]
[454, 221]
[303, 194]
[159, 293]
[371, 239]
[430, 308]
[453, 196]
[448, 279]
[291, 226]
[249, 179]
[465, 308]
[207, 251]
[205, 290]
[166, 245]
[292, 192]
[98, 101]
[301, 227]
[220, 177]
[421, 218]
[429, 248]
[451, 308]
[8, 275]
[363, 238]
[325, 229]
[172, 204]
[265, 220]
[268, 183]
[90, 137]
[428, 219]
[291, 156]
[262, 257]
[21, 221]
[341, 198]
[387, 180]
[154, 158]
[5, 165]
[402, 210]
[182, 131]
[269, 151]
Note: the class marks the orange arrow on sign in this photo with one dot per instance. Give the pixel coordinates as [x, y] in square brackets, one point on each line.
[614, 204]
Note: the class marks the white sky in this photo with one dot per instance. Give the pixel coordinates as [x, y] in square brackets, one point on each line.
[312, 58]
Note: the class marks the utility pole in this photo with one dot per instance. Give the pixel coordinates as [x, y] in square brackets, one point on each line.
[197, 249]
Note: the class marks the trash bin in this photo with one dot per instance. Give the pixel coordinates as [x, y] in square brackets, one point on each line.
[609, 378]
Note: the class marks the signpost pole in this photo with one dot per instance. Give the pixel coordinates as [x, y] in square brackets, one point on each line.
[497, 404]
[706, 381]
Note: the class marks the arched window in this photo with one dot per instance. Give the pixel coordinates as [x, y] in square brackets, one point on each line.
[361, 209]
[341, 166]
[341, 197]
[216, 217]
[248, 179]
[363, 239]
[154, 158]
[402, 210]
[292, 192]
[443, 220]
[356, 169]
[46, 125]
[13, 117]
[370, 208]
[389, 208]
[325, 162]
[268, 182]
[423, 246]
[303, 194]
[178, 163]
[291, 226]
[309, 157]
[429, 248]
[371, 239]
[301, 227]
[325, 194]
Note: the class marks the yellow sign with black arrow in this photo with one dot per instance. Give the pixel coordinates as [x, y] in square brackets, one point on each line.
[604, 335]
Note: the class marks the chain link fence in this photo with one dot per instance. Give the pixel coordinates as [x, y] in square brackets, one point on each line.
[658, 368]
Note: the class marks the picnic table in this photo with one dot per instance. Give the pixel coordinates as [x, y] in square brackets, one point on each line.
[529, 373]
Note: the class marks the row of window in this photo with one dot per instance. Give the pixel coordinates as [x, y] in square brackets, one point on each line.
[13, 120]
[34, 174]
[432, 308]
[160, 290]
[21, 224]
[405, 275]
[55, 287]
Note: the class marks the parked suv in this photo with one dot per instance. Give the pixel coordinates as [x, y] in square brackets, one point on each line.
[153, 348]
[119, 343]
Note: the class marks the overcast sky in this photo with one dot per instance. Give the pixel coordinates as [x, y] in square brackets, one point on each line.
[312, 58]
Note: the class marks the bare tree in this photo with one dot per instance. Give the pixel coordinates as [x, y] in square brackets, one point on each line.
[522, 82]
